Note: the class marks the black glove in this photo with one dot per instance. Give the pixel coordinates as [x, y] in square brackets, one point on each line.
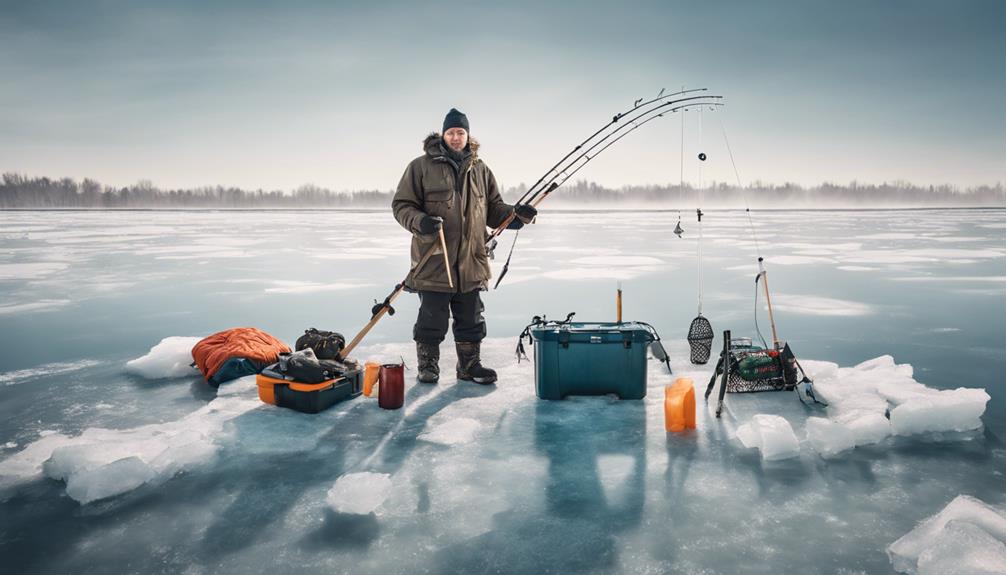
[526, 212]
[430, 224]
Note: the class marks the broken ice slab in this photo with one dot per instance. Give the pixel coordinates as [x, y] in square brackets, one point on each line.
[115, 478]
[963, 548]
[829, 438]
[905, 553]
[772, 435]
[948, 410]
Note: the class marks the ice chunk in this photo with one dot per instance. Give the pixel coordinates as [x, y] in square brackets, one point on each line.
[453, 432]
[901, 391]
[819, 370]
[359, 493]
[108, 480]
[772, 435]
[904, 553]
[886, 363]
[845, 398]
[829, 438]
[861, 397]
[172, 357]
[92, 462]
[963, 548]
[867, 427]
[27, 464]
[950, 410]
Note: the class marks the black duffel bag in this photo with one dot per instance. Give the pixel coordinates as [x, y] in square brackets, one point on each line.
[304, 367]
[325, 344]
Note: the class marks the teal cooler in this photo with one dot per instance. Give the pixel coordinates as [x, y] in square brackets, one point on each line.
[590, 359]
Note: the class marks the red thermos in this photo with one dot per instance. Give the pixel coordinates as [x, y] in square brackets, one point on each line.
[391, 392]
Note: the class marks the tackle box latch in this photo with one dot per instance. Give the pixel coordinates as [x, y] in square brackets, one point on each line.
[564, 338]
[627, 339]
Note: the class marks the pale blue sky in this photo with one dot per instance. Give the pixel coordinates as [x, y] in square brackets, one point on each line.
[340, 94]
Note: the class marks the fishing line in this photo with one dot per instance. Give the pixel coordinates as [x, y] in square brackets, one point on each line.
[744, 195]
[698, 247]
[678, 230]
[761, 268]
[700, 332]
[681, 179]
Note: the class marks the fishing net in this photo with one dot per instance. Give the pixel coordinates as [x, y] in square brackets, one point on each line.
[700, 339]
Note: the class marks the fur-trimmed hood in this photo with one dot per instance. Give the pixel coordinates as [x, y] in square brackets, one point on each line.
[433, 142]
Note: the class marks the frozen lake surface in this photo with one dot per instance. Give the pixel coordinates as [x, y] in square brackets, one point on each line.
[478, 479]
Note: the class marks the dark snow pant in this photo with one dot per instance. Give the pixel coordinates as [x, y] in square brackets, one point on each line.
[436, 307]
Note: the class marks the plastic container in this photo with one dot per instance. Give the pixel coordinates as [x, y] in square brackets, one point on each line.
[590, 359]
[371, 371]
[391, 394]
[307, 397]
[679, 405]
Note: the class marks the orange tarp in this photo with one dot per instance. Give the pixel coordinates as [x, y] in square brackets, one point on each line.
[211, 352]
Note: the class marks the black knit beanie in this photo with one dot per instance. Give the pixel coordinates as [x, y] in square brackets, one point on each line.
[455, 119]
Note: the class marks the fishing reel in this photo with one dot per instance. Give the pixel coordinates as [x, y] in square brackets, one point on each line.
[386, 304]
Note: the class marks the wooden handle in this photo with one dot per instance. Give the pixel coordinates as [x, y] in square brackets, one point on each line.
[771, 318]
[447, 261]
[377, 317]
[618, 305]
[370, 325]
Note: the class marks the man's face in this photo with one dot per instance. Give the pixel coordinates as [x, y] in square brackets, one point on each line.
[456, 138]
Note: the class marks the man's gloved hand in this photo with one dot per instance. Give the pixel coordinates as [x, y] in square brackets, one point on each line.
[430, 224]
[526, 212]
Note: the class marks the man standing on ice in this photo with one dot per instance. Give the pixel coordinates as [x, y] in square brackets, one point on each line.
[450, 187]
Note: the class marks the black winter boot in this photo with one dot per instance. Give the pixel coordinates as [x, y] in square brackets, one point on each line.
[470, 366]
[428, 358]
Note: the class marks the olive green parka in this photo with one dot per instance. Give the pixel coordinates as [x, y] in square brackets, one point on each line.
[467, 197]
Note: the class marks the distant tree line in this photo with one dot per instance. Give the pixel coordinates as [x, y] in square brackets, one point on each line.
[21, 191]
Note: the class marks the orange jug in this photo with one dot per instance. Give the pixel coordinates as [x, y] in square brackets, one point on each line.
[371, 371]
[679, 405]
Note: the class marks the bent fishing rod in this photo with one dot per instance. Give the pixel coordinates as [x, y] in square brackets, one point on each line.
[551, 184]
[614, 120]
[534, 190]
[543, 193]
[532, 194]
[536, 199]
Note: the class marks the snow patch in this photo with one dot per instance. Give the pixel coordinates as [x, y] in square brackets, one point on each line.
[359, 493]
[172, 357]
[816, 305]
[857, 268]
[40, 305]
[583, 274]
[979, 279]
[295, 287]
[49, 369]
[30, 271]
[798, 260]
[617, 261]
[453, 432]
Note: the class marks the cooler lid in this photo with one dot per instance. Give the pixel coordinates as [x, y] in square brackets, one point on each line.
[583, 331]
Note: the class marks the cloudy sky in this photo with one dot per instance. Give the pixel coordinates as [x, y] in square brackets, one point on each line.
[340, 94]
